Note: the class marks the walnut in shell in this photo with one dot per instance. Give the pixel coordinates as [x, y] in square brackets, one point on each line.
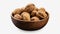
[42, 9]
[34, 18]
[17, 16]
[33, 13]
[18, 11]
[29, 7]
[25, 16]
[41, 13]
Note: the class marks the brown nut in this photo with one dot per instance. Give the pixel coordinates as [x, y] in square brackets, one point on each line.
[18, 11]
[17, 16]
[22, 9]
[33, 13]
[42, 9]
[41, 14]
[30, 8]
[35, 19]
[25, 16]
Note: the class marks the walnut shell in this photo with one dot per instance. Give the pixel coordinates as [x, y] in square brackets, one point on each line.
[41, 14]
[25, 16]
[42, 9]
[18, 11]
[33, 13]
[34, 18]
[17, 16]
[29, 8]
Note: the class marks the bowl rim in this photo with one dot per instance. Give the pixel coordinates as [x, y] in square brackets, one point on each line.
[31, 21]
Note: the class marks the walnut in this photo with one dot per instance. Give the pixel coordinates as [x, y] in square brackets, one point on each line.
[33, 13]
[18, 11]
[41, 14]
[25, 16]
[30, 12]
[30, 7]
[42, 9]
[34, 18]
[17, 16]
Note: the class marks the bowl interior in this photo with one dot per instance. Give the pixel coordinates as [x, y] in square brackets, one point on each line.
[12, 15]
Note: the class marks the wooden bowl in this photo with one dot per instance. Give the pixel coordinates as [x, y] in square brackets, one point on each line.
[30, 25]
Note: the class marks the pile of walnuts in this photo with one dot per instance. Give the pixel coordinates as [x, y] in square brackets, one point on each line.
[30, 13]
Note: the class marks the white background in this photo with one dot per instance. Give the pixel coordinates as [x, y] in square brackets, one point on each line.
[51, 6]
